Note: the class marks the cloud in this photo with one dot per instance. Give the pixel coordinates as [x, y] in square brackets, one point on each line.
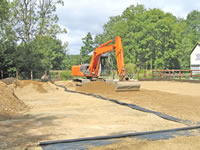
[179, 8]
[83, 16]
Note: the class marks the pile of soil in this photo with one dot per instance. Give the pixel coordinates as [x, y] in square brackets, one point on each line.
[10, 104]
[98, 87]
[36, 86]
[9, 81]
[69, 84]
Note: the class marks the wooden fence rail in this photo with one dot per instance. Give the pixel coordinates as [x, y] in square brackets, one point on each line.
[141, 75]
[169, 74]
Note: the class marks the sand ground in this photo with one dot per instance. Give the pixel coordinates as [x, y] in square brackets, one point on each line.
[178, 101]
[55, 114]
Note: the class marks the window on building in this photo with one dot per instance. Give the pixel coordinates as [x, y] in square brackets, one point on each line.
[197, 56]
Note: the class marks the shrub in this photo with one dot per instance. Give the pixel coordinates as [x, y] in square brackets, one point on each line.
[131, 68]
[66, 75]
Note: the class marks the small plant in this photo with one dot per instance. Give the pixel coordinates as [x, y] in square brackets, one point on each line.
[131, 69]
[66, 75]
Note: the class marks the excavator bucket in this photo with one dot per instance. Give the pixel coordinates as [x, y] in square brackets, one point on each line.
[127, 86]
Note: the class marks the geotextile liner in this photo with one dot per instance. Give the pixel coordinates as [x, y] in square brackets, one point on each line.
[85, 143]
[147, 135]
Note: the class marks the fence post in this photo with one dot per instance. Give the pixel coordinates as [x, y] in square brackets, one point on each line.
[1, 74]
[113, 74]
[31, 75]
[160, 74]
[45, 75]
[179, 75]
[144, 74]
[151, 74]
[169, 74]
[138, 74]
[58, 75]
[17, 74]
[191, 73]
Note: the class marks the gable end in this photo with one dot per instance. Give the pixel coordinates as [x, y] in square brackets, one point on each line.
[198, 44]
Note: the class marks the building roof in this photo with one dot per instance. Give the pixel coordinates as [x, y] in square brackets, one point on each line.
[198, 43]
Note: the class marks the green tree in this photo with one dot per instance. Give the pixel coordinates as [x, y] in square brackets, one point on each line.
[28, 41]
[193, 23]
[35, 17]
[71, 60]
[153, 39]
[7, 40]
[3, 10]
[86, 48]
[47, 53]
[48, 19]
[32, 21]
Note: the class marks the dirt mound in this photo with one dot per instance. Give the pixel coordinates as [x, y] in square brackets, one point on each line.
[98, 87]
[29, 87]
[8, 81]
[41, 87]
[10, 104]
[36, 85]
[68, 84]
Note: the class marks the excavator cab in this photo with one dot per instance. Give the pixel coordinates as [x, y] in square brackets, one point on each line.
[105, 66]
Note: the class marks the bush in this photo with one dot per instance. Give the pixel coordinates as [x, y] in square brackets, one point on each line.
[131, 68]
[66, 75]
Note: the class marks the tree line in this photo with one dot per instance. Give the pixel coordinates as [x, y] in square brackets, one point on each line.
[28, 41]
[152, 39]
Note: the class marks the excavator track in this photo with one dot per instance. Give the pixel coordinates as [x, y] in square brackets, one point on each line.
[80, 81]
[119, 85]
[127, 86]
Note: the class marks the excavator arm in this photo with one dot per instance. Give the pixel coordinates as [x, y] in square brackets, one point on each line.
[102, 49]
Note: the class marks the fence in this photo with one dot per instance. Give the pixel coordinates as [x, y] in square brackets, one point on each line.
[30, 75]
[46, 75]
[141, 75]
[169, 74]
[55, 74]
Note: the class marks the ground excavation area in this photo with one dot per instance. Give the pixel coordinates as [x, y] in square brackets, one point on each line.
[32, 111]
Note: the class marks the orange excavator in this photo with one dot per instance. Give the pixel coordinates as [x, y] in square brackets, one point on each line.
[90, 71]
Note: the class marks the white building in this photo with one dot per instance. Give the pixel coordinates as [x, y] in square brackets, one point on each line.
[195, 58]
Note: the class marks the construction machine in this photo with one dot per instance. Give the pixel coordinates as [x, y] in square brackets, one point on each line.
[90, 71]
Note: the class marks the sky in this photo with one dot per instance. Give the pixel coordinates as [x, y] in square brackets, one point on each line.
[82, 16]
